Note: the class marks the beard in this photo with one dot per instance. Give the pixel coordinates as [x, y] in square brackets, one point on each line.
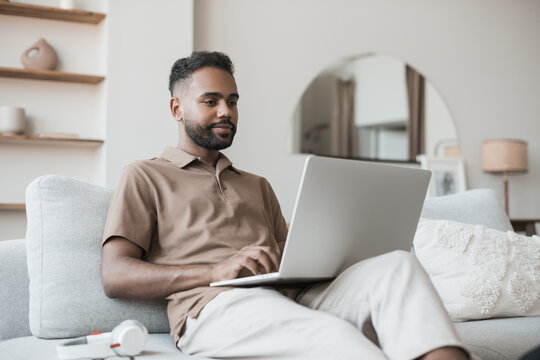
[206, 138]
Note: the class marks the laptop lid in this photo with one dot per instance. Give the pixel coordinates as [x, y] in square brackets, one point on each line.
[350, 210]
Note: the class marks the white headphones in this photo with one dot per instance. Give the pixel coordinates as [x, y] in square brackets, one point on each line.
[126, 340]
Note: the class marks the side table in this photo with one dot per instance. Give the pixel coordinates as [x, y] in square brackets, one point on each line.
[525, 225]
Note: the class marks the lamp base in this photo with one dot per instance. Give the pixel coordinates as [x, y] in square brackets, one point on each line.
[505, 179]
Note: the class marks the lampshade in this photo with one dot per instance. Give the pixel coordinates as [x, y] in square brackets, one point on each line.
[504, 155]
[453, 151]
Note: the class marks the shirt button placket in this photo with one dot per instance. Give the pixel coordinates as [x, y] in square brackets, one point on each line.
[221, 189]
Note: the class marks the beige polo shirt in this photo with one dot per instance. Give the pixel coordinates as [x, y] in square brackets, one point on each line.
[182, 211]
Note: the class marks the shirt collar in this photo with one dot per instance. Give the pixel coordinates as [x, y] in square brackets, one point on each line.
[181, 159]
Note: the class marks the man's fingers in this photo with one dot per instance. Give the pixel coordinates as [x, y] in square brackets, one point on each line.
[251, 265]
[272, 257]
[265, 261]
[251, 260]
[275, 259]
[267, 258]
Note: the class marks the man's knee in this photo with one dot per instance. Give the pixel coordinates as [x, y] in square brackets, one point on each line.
[399, 262]
[401, 256]
[383, 269]
[405, 265]
[387, 261]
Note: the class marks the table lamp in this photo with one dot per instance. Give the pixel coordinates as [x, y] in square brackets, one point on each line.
[504, 156]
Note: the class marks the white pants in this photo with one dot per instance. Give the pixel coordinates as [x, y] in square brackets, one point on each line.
[380, 308]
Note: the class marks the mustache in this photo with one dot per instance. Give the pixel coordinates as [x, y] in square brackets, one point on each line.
[222, 122]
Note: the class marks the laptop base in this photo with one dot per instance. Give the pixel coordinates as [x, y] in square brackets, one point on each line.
[274, 279]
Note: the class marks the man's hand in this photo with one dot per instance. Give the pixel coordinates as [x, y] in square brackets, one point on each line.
[250, 260]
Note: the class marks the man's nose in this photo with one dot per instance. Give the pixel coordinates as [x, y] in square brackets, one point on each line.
[224, 109]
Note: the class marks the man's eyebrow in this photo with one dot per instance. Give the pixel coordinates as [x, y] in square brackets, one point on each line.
[219, 95]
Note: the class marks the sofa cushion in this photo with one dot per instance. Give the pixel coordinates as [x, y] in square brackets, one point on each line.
[478, 206]
[158, 347]
[500, 339]
[14, 290]
[480, 272]
[66, 218]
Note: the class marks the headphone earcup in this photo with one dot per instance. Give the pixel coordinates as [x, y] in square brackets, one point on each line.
[129, 338]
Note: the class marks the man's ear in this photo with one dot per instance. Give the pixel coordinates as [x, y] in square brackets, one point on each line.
[177, 109]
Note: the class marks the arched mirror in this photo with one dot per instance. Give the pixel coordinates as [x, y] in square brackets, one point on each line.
[373, 107]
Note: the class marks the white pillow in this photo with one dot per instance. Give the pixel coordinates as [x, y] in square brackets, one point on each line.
[479, 272]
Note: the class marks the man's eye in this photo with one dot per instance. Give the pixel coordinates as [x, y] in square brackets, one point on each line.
[233, 103]
[210, 102]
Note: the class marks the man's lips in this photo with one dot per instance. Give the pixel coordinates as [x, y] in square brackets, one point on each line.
[223, 129]
[223, 126]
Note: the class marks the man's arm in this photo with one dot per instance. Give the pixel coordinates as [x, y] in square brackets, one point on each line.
[125, 275]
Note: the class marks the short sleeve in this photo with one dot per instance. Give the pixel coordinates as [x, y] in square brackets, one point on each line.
[132, 210]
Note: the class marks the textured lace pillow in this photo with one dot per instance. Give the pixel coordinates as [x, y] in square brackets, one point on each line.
[480, 272]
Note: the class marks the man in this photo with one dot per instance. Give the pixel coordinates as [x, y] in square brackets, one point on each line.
[181, 221]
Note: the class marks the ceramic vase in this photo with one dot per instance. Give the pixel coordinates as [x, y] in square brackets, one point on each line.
[12, 120]
[44, 58]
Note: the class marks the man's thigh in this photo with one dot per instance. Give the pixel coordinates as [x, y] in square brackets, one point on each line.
[262, 323]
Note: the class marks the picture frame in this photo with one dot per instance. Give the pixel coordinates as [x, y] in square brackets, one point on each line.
[447, 175]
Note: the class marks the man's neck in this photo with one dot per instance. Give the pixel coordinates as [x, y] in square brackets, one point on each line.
[208, 156]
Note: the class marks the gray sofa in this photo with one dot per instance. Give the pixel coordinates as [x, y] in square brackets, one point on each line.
[51, 287]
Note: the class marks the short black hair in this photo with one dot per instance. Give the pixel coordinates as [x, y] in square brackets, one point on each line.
[184, 67]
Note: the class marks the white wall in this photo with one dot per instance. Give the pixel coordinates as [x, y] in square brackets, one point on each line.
[144, 41]
[134, 47]
[481, 55]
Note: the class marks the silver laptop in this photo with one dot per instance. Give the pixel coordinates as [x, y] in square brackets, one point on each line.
[346, 211]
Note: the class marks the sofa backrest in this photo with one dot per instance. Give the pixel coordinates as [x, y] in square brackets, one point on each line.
[65, 222]
[478, 206]
[13, 290]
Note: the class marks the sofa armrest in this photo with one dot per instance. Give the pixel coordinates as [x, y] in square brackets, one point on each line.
[14, 291]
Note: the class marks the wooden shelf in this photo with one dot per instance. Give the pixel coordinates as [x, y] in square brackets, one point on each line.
[49, 75]
[13, 207]
[51, 13]
[14, 139]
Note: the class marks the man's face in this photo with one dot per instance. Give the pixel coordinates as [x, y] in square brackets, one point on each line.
[209, 108]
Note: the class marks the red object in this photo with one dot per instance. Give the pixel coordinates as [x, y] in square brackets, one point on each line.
[115, 345]
[96, 333]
